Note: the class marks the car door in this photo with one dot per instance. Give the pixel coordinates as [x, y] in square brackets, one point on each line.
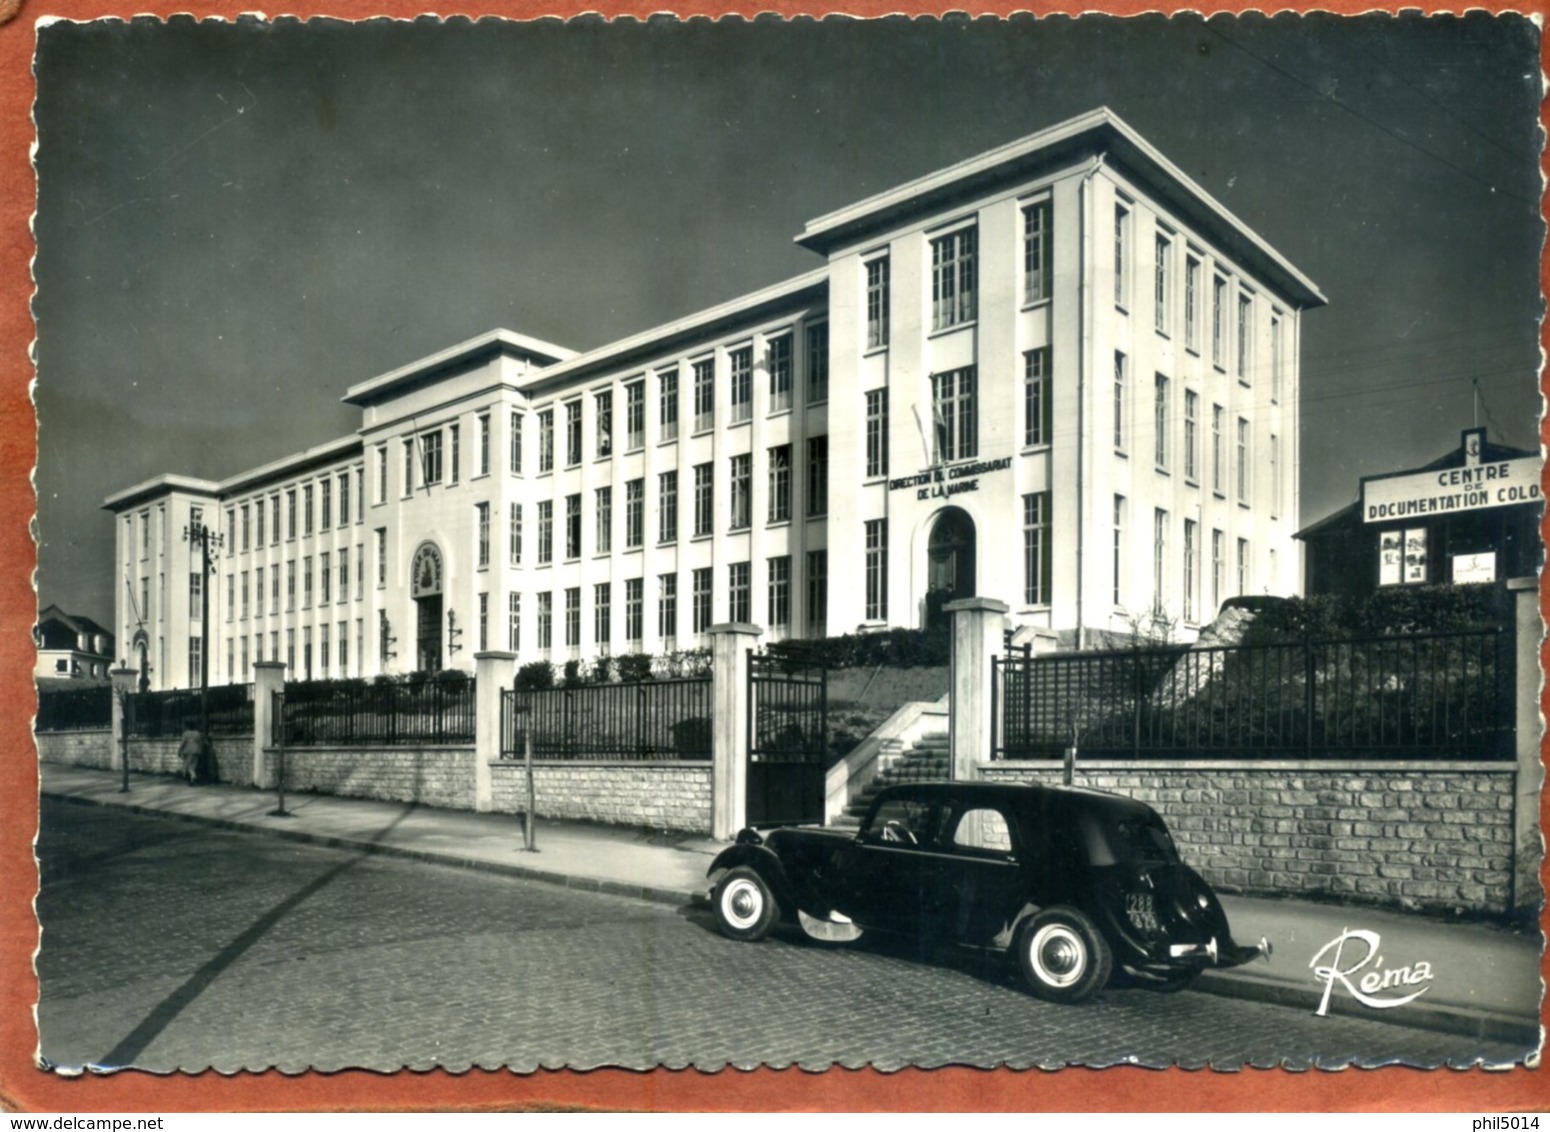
[888, 871]
[980, 879]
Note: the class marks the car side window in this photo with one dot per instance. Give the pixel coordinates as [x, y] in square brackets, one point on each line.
[980, 832]
[899, 821]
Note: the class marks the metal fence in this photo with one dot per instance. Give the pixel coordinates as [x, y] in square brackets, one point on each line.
[75, 709]
[1428, 696]
[648, 720]
[155, 715]
[326, 713]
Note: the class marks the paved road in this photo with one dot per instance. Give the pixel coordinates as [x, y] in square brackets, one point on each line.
[173, 945]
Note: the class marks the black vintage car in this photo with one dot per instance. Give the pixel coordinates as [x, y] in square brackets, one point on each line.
[1068, 882]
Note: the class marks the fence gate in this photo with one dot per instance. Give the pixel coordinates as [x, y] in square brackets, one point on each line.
[788, 736]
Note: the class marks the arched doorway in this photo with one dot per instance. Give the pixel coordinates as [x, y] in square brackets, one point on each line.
[949, 562]
[425, 587]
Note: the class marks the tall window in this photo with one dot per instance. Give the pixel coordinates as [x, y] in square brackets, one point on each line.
[274, 504]
[323, 651]
[742, 492]
[602, 614]
[344, 504]
[381, 533]
[1161, 298]
[430, 457]
[1243, 460]
[514, 622]
[817, 592]
[667, 403]
[877, 433]
[1277, 357]
[455, 443]
[1191, 581]
[231, 595]
[1037, 245]
[877, 569]
[545, 531]
[635, 415]
[573, 526]
[1218, 568]
[325, 505]
[1218, 443]
[667, 506]
[1038, 415]
[483, 460]
[1159, 557]
[817, 475]
[634, 514]
[633, 598]
[1036, 548]
[667, 608]
[1218, 321]
[514, 455]
[195, 657]
[1191, 302]
[739, 605]
[245, 587]
[877, 302]
[343, 588]
[306, 509]
[196, 581]
[1245, 337]
[290, 507]
[344, 648]
[247, 526]
[953, 413]
[1160, 422]
[306, 582]
[573, 434]
[1275, 476]
[704, 394]
[702, 598]
[1121, 255]
[953, 279]
[704, 499]
[741, 364]
[546, 440]
[817, 363]
[483, 519]
[514, 550]
[779, 570]
[382, 478]
[780, 483]
[1191, 435]
[780, 373]
[603, 406]
[603, 508]
[484, 622]
[258, 592]
[1119, 549]
[573, 617]
[408, 471]
[546, 620]
[1243, 566]
[1119, 401]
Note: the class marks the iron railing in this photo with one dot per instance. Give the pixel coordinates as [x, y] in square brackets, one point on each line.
[75, 709]
[788, 718]
[155, 715]
[327, 713]
[647, 720]
[1430, 696]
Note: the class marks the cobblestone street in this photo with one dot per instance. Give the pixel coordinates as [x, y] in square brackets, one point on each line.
[174, 945]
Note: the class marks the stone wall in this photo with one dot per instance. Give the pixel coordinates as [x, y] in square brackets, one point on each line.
[660, 795]
[1434, 836]
[431, 776]
[77, 748]
[233, 754]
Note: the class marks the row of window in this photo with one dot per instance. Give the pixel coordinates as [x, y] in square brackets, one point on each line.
[258, 522]
[333, 648]
[331, 574]
[1162, 558]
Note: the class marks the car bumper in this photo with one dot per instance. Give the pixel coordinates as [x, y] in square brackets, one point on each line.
[1220, 953]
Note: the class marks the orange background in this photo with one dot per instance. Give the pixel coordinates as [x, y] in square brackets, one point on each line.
[24, 1087]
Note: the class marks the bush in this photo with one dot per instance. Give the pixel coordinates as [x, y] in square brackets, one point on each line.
[452, 676]
[536, 676]
[634, 667]
[602, 670]
[1391, 611]
[892, 648]
[573, 677]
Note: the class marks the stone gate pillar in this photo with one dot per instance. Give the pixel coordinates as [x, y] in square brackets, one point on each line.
[730, 643]
[268, 678]
[978, 623]
[123, 683]
[1527, 838]
[495, 672]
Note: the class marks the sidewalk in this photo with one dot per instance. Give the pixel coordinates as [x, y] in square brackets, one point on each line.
[1484, 981]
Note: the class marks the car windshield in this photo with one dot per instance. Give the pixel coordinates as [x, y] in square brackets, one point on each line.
[1134, 839]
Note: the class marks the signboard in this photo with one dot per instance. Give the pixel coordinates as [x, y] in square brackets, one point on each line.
[1402, 557]
[1501, 483]
[1474, 567]
[950, 481]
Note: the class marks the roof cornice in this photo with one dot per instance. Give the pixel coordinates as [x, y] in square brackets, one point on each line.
[164, 484]
[434, 365]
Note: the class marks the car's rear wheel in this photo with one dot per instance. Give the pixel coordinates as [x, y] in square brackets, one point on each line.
[745, 906]
[1062, 956]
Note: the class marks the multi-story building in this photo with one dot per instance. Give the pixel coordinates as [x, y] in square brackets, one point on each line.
[71, 647]
[1059, 374]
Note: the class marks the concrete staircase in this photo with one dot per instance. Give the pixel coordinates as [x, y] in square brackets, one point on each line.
[927, 760]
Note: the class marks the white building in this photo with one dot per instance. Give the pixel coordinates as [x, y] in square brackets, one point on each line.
[1059, 374]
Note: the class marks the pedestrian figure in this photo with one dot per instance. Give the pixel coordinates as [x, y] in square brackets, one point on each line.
[191, 752]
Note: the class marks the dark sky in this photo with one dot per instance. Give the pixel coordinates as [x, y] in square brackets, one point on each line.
[237, 221]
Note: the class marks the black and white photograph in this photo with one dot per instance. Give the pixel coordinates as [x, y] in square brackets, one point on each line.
[1002, 542]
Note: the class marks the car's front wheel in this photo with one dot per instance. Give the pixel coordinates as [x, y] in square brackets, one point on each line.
[745, 906]
[1062, 956]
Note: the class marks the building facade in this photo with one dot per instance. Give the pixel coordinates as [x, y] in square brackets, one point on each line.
[1058, 374]
[71, 647]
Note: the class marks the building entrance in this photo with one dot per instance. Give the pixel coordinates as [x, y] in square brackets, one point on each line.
[425, 588]
[950, 567]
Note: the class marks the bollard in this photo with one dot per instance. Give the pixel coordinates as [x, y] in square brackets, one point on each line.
[527, 816]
